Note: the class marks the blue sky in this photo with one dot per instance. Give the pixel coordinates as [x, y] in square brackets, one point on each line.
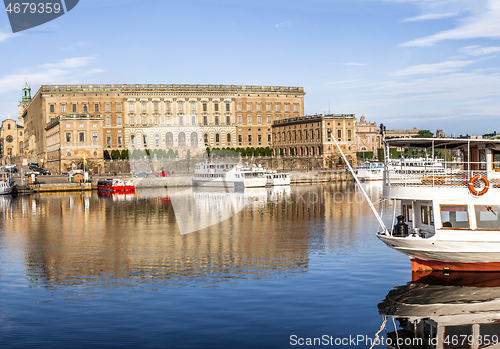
[433, 64]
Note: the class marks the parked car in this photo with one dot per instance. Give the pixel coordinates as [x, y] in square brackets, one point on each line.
[12, 168]
[38, 170]
[141, 174]
[32, 164]
[163, 174]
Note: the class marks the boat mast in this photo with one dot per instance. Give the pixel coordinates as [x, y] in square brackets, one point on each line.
[360, 187]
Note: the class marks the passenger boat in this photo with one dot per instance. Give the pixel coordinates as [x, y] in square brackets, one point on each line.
[115, 185]
[445, 310]
[277, 178]
[228, 175]
[449, 217]
[6, 184]
[370, 171]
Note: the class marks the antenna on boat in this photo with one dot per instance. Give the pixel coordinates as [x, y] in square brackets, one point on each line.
[379, 219]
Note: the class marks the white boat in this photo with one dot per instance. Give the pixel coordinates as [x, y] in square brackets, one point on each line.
[458, 310]
[277, 178]
[229, 175]
[370, 171]
[449, 217]
[6, 184]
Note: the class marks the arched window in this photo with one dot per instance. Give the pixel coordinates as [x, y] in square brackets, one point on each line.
[8, 126]
[228, 138]
[169, 139]
[205, 138]
[21, 147]
[194, 139]
[132, 141]
[157, 140]
[145, 140]
[217, 138]
[181, 139]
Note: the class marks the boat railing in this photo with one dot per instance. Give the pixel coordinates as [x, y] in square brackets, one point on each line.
[451, 174]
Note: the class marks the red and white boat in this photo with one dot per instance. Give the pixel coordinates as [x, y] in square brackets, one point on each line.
[447, 220]
[115, 185]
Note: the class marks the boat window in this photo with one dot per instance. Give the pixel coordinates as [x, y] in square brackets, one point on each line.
[424, 215]
[431, 215]
[460, 332]
[496, 159]
[404, 213]
[487, 217]
[410, 213]
[454, 216]
[490, 331]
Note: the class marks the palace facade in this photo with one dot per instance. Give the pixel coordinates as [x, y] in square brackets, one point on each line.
[61, 121]
[313, 136]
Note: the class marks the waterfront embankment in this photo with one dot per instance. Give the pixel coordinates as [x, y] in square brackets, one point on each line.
[60, 184]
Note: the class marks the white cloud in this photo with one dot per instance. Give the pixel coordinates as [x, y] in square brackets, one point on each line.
[434, 68]
[430, 16]
[479, 25]
[4, 36]
[283, 24]
[352, 63]
[479, 51]
[63, 72]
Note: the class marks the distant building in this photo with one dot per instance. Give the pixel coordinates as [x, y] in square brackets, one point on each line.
[368, 137]
[439, 134]
[311, 135]
[401, 133]
[11, 138]
[182, 117]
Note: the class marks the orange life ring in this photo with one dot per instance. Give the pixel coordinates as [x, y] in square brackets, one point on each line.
[474, 191]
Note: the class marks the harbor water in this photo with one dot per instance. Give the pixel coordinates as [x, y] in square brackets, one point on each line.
[283, 266]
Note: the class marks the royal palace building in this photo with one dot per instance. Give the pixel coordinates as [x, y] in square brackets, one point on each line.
[65, 123]
[313, 136]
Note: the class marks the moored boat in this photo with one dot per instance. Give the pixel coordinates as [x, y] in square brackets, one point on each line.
[6, 184]
[449, 219]
[115, 185]
[275, 178]
[229, 175]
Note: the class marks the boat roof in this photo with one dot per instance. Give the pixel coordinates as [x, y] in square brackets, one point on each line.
[440, 143]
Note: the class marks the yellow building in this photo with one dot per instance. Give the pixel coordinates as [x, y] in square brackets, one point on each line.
[311, 135]
[11, 139]
[183, 117]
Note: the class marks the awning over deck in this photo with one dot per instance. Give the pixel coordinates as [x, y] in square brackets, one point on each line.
[442, 143]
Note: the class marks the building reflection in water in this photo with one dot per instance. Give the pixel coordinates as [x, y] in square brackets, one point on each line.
[81, 238]
[439, 310]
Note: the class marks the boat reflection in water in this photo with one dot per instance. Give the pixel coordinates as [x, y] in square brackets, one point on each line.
[439, 310]
[199, 208]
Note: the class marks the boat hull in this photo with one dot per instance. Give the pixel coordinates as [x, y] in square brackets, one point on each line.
[432, 254]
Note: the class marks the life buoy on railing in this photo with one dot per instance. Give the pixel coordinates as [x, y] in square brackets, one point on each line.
[474, 191]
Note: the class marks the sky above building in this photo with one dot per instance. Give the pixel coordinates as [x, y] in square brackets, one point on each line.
[433, 64]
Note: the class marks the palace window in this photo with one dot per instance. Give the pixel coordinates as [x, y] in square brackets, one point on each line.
[132, 121]
[228, 138]
[81, 136]
[118, 120]
[295, 107]
[259, 119]
[204, 106]
[143, 107]
[94, 137]
[239, 120]
[85, 108]
[240, 138]
[108, 120]
[181, 120]
[118, 107]
[249, 106]
[205, 120]
[193, 119]
[259, 106]
[168, 106]
[238, 107]
[278, 107]
[287, 107]
[119, 141]
[131, 107]
[181, 106]
[269, 119]
[217, 138]
[228, 119]
[249, 138]
[68, 137]
[96, 107]
[216, 120]
[132, 141]
[205, 138]
[108, 107]
[249, 119]
[193, 107]
[216, 106]
[156, 107]
[74, 108]
[63, 108]
[52, 108]
[108, 141]
[228, 107]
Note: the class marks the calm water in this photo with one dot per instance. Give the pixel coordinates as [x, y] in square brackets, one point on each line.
[80, 270]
